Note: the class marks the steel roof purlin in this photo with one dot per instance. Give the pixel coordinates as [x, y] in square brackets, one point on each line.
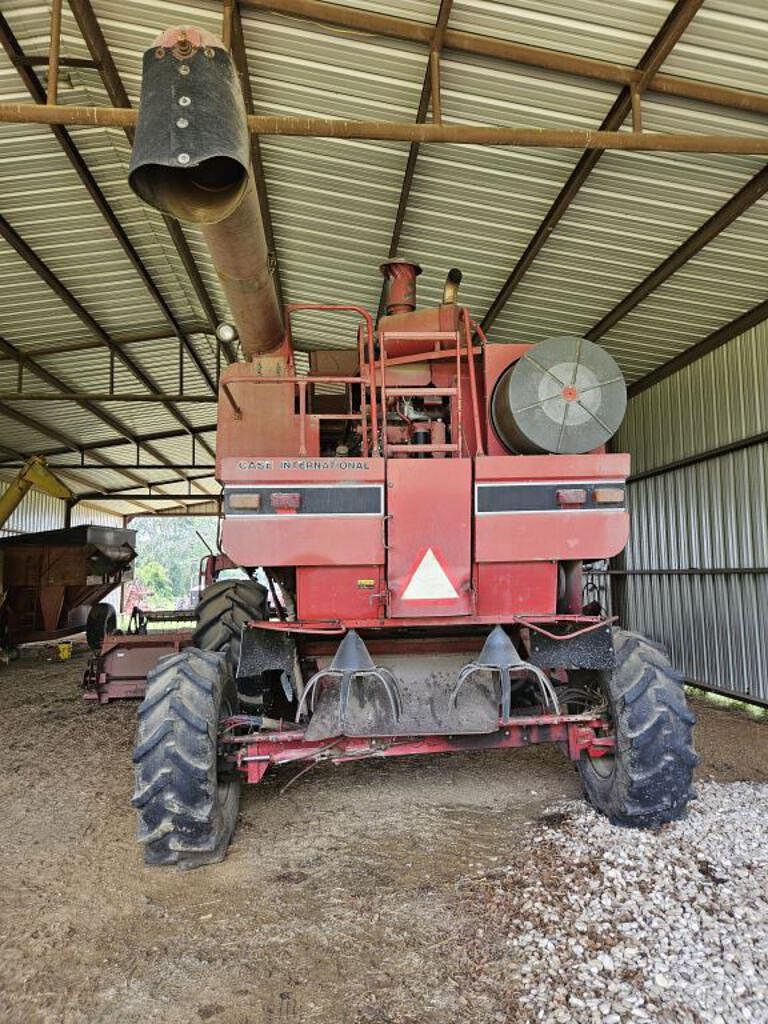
[241, 63]
[425, 98]
[387, 25]
[137, 441]
[719, 337]
[125, 435]
[754, 190]
[33, 260]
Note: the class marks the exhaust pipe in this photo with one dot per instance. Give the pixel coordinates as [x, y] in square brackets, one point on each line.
[451, 287]
[192, 160]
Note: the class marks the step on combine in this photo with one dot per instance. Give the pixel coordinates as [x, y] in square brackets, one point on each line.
[422, 504]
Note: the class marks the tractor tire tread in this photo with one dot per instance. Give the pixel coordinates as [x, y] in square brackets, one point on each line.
[651, 781]
[223, 610]
[100, 623]
[183, 818]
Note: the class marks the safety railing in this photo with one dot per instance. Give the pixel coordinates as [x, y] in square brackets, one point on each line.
[375, 393]
[461, 347]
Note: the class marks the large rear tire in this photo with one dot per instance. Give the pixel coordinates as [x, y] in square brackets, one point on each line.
[647, 782]
[223, 610]
[186, 805]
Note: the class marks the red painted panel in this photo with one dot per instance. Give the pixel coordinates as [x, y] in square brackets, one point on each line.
[520, 588]
[429, 506]
[553, 467]
[343, 592]
[261, 423]
[496, 359]
[538, 536]
[303, 540]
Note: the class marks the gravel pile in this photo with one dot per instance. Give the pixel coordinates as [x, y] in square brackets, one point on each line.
[611, 926]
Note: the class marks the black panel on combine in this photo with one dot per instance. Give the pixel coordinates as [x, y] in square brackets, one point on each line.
[539, 497]
[592, 650]
[320, 501]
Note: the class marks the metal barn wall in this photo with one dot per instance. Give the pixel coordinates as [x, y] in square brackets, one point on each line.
[709, 517]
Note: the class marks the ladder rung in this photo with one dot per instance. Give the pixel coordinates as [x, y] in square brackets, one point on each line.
[336, 415]
[422, 447]
[404, 392]
[419, 335]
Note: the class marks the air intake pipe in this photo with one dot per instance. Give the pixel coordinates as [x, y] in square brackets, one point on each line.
[192, 160]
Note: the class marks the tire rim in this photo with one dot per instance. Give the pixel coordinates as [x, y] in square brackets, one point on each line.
[226, 776]
[603, 766]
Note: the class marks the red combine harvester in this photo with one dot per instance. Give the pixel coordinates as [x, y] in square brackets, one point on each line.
[423, 508]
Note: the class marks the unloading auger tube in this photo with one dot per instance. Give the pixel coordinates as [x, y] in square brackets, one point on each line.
[192, 160]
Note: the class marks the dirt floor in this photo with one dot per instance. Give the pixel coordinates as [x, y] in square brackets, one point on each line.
[342, 901]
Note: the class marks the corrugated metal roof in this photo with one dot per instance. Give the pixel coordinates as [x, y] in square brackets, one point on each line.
[333, 202]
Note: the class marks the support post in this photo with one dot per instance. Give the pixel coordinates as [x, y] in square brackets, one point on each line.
[434, 78]
[52, 97]
[637, 113]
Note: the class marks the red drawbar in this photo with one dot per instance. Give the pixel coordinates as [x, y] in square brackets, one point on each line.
[575, 734]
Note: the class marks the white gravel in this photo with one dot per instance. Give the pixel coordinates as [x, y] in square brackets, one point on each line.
[617, 926]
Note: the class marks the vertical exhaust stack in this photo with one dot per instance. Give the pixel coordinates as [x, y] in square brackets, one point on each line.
[192, 160]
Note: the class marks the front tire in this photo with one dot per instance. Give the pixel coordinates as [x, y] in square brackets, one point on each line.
[186, 805]
[647, 781]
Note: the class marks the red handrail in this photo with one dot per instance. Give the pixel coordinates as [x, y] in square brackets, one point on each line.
[367, 361]
[371, 360]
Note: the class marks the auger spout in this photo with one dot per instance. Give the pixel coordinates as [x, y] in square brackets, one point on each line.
[192, 160]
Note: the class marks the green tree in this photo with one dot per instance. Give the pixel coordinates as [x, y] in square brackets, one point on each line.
[155, 577]
[174, 544]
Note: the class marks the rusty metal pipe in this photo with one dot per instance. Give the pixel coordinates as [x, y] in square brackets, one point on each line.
[191, 160]
[400, 282]
[54, 51]
[401, 131]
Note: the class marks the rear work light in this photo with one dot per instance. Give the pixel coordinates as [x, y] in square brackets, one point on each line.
[608, 495]
[250, 501]
[571, 497]
[285, 502]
